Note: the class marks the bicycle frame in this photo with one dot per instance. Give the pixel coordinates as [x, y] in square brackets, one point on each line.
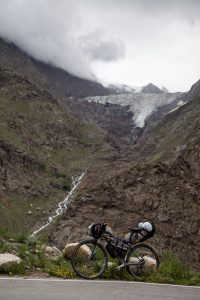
[123, 264]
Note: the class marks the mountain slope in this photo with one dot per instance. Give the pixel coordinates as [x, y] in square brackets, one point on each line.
[42, 145]
[151, 89]
[158, 180]
[194, 92]
[142, 105]
[50, 78]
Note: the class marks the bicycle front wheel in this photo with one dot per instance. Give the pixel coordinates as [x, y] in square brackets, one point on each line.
[142, 260]
[89, 259]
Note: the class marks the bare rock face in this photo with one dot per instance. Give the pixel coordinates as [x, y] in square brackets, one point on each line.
[43, 143]
[165, 194]
[194, 92]
[152, 89]
[7, 261]
[48, 77]
[157, 181]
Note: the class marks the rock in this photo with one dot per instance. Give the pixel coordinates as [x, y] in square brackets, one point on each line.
[11, 240]
[29, 212]
[152, 89]
[7, 261]
[149, 261]
[84, 251]
[52, 252]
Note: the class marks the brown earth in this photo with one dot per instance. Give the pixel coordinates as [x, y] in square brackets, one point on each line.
[44, 141]
[47, 139]
[157, 180]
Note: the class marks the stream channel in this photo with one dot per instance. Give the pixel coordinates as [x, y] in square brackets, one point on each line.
[63, 205]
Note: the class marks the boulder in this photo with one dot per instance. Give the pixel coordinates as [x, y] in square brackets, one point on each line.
[149, 261]
[52, 252]
[7, 261]
[84, 251]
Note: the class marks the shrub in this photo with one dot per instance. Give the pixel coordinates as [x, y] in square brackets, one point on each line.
[173, 271]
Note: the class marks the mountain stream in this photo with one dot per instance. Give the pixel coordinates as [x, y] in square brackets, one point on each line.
[63, 205]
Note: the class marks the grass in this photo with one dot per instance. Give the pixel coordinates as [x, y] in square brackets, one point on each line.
[49, 146]
[172, 271]
[60, 268]
[30, 250]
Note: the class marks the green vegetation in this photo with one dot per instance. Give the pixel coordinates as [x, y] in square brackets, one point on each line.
[31, 251]
[43, 146]
[172, 271]
[60, 268]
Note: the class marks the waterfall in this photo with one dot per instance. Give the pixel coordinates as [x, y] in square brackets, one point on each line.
[63, 205]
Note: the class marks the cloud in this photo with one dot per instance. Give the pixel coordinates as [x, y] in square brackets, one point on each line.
[129, 41]
[47, 31]
[100, 47]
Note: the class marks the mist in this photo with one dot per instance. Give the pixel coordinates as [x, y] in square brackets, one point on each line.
[132, 42]
[45, 30]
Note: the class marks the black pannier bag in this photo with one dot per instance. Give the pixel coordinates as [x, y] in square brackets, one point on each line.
[141, 233]
[96, 230]
[116, 247]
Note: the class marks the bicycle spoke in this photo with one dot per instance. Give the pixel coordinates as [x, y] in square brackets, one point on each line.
[89, 259]
[142, 260]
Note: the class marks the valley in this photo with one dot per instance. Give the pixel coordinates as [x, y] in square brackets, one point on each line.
[140, 152]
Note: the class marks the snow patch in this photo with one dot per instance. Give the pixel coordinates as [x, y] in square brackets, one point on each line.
[141, 104]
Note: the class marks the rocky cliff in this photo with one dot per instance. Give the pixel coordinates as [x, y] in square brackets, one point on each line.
[194, 92]
[157, 179]
[47, 137]
[48, 77]
[152, 89]
[44, 141]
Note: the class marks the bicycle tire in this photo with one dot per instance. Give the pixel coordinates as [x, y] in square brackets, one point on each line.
[95, 261]
[144, 260]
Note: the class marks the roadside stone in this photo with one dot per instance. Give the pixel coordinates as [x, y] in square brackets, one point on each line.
[7, 261]
[84, 251]
[52, 252]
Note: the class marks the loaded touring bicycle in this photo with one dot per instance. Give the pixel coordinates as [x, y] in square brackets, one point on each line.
[90, 257]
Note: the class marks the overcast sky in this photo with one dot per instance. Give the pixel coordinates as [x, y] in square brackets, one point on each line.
[126, 41]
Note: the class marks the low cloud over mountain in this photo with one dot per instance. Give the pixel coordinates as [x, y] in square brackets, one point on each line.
[115, 41]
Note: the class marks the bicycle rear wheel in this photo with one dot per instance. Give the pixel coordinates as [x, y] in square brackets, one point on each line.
[89, 259]
[142, 260]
